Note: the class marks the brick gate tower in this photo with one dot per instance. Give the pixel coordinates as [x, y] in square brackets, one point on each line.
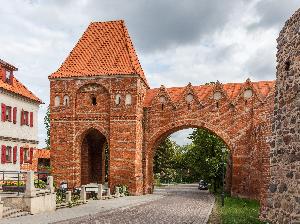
[100, 96]
[96, 99]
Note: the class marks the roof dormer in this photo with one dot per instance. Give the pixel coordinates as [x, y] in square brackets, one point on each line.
[7, 72]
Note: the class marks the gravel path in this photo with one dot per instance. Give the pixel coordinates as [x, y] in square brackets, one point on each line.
[180, 204]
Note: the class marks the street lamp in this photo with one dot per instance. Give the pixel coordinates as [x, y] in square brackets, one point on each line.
[223, 174]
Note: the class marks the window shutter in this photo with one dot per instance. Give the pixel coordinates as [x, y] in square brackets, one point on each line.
[26, 118]
[22, 117]
[11, 78]
[3, 74]
[31, 155]
[3, 108]
[15, 154]
[31, 119]
[3, 154]
[21, 155]
[9, 115]
[15, 115]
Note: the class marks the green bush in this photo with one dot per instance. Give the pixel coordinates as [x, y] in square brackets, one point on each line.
[60, 196]
[39, 184]
[123, 189]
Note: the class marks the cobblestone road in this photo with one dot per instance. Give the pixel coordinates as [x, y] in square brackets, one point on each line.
[180, 204]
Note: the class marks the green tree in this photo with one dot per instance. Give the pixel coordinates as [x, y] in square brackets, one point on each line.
[164, 161]
[205, 157]
[202, 159]
[47, 126]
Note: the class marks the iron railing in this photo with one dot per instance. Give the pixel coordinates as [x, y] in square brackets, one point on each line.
[18, 177]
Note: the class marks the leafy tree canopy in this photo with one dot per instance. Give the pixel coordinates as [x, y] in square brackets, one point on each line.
[202, 159]
[47, 125]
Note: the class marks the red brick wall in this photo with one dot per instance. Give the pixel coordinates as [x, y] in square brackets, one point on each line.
[37, 153]
[133, 132]
[244, 127]
[121, 125]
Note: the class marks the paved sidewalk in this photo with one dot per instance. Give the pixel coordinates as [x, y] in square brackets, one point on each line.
[173, 204]
[180, 204]
[92, 207]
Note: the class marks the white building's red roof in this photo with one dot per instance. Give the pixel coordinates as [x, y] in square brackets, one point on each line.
[15, 86]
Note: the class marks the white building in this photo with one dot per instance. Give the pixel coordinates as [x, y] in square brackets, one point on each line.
[18, 120]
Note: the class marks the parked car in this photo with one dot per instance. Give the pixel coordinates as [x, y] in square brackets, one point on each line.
[202, 185]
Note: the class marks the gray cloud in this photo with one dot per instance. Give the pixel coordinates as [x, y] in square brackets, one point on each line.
[181, 137]
[262, 66]
[177, 41]
[158, 25]
[274, 12]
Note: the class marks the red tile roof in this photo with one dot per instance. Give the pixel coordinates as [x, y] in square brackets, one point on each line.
[7, 65]
[18, 88]
[105, 48]
[231, 89]
[37, 154]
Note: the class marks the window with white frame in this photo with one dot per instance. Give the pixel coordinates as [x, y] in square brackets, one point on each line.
[24, 118]
[7, 75]
[26, 155]
[8, 113]
[8, 155]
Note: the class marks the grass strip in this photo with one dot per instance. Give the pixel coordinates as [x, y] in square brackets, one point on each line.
[235, 211]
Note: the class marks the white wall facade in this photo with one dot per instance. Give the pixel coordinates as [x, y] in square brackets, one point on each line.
[16, 134]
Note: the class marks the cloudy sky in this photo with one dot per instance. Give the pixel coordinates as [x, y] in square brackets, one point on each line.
[177, 41]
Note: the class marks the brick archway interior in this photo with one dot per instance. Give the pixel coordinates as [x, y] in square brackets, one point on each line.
[158, 139]
[93, 157]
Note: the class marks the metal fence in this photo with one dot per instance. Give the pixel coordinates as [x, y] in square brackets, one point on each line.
[15, 181]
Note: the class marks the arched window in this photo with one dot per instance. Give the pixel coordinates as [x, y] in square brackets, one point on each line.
[57, 101]
[94, 100]
[287, 65]
[66, 100]
[162, 100]
[128, 99]
[118, 99]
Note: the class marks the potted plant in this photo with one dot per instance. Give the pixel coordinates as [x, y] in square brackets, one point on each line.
[13, 186]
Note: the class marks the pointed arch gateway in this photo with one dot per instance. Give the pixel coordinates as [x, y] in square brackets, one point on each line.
[163, 132]
[93, 157]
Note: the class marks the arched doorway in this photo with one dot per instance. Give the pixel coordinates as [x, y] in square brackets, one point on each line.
[93, 157]
[166, 132]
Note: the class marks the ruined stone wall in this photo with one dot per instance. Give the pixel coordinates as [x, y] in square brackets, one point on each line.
[283, 202]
